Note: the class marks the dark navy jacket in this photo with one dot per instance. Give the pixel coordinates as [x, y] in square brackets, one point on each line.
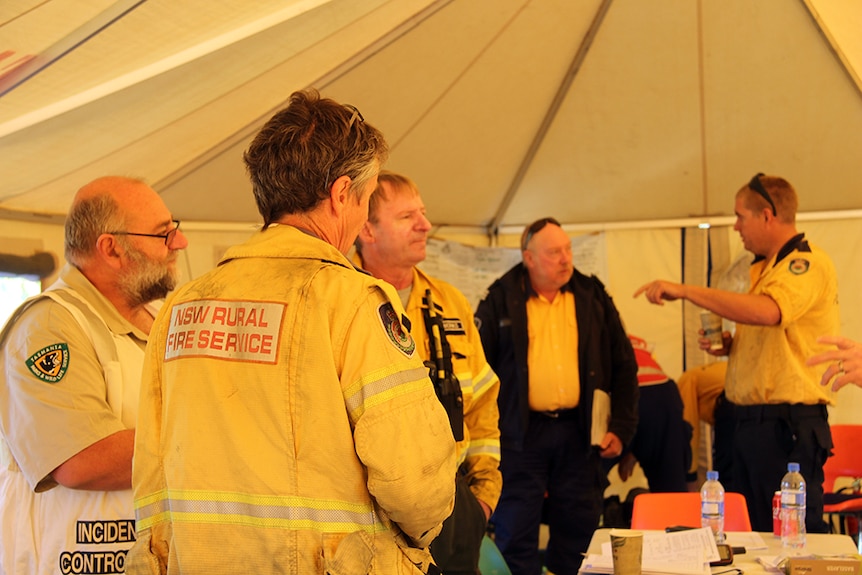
[605, 356]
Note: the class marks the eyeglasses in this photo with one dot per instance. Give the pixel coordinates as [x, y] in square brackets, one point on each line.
[534, 229]
[167, 236]
[757, 187]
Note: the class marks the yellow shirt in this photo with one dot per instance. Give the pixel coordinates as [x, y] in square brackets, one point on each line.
[767, 363]
[552, 354]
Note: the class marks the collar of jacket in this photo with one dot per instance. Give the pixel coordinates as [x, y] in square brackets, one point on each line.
[284, 241]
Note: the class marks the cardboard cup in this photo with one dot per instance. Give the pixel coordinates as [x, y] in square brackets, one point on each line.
[627, 549]
[712, 329]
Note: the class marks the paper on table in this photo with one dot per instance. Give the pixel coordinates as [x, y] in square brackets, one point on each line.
[747, 539]
[683, 552]
[701, 542]
[604, 564]
[601, 416]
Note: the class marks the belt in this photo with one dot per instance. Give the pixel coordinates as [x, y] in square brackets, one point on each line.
[558, 413]
[786, 411]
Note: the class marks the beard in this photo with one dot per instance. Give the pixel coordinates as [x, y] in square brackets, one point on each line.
[146, 279]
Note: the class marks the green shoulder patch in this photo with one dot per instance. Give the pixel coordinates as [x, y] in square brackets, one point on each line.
[392, 326]
[50, 363]
[799, 266]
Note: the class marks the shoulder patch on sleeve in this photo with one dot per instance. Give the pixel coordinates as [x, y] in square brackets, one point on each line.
[400, 338]
[50, 363]
[799, 266]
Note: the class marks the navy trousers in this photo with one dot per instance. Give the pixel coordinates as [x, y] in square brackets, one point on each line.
[556, 460]
[767, 438]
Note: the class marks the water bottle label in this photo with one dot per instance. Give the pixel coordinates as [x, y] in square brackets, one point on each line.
[793, 499]
[711, 508]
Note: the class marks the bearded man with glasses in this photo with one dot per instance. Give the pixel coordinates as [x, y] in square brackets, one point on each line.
[70, 382]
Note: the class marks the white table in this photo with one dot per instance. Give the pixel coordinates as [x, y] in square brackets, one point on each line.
[816, 543]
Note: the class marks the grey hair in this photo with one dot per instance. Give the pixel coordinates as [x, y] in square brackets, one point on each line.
[87, 220]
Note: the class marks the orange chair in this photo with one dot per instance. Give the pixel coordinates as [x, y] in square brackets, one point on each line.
[846, 461]
[660, 510]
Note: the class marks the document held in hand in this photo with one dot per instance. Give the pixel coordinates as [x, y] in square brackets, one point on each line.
[601, 416]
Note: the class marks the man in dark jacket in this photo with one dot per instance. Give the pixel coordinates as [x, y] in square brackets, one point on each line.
[556, 341]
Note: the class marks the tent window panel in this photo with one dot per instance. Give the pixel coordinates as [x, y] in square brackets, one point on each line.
[14, 290]
[20, 278]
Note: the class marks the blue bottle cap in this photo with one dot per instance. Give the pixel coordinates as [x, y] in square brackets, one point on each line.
[713, 475]
[793, 467]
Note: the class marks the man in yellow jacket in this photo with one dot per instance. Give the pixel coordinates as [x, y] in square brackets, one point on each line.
[390, 245]
[282, 391]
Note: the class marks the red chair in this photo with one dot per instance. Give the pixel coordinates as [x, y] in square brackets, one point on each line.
[846, 461]
[660, 510]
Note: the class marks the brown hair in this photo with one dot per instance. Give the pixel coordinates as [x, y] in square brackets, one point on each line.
[304, 148]
[777, 189]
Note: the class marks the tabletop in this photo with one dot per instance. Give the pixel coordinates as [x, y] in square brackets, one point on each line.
[821, 544]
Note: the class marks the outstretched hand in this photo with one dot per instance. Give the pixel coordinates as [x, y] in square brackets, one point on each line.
[659, 291]
[847, 361]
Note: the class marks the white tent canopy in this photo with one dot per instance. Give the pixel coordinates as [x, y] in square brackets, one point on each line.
[638, 117]
[503, 111]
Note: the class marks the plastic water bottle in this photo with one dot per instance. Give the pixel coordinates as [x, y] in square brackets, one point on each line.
[792, 509]
[712, 505]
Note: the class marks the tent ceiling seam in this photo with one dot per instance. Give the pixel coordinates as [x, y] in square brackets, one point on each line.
[447, 89]
[249, 129]
[54, 53]
[836, 50]
[550, 114]
[148, 71]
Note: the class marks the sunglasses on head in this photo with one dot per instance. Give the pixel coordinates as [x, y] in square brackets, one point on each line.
[758, 188]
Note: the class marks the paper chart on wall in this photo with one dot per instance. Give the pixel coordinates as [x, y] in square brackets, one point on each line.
[472, 269]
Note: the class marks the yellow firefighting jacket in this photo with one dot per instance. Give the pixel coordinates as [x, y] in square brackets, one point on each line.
[479, 384]
[280, 404]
